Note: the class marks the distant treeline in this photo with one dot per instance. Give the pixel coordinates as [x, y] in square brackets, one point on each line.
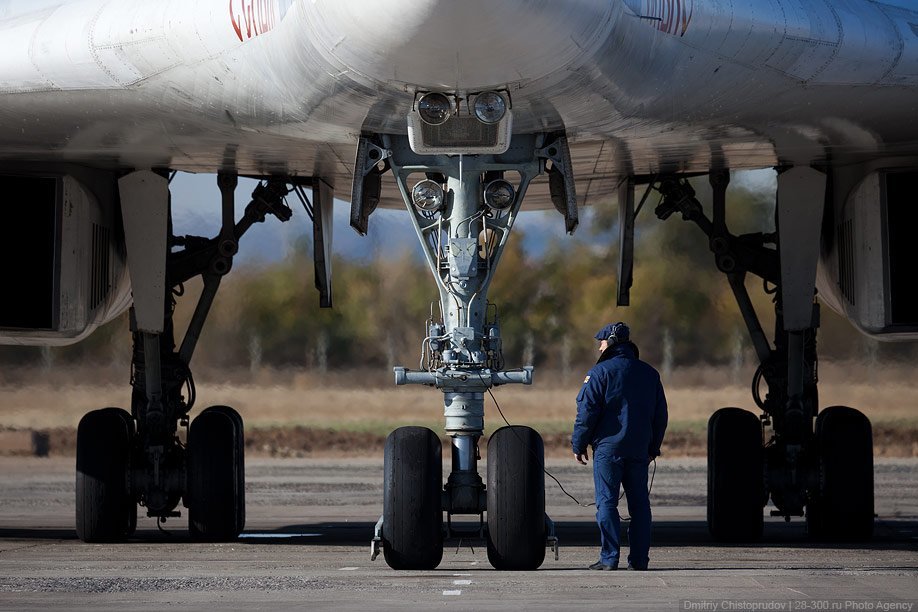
[550, 305]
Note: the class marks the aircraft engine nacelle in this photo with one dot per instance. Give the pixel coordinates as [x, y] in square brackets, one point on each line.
[868, 263]
[61, 256]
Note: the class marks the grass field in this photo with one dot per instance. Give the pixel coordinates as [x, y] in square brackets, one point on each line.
[363, 403]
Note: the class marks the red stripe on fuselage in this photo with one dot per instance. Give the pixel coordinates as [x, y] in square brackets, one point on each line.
[251, 18]
[670, 16]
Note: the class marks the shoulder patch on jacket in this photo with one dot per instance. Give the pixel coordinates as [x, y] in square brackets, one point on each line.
[586, 380]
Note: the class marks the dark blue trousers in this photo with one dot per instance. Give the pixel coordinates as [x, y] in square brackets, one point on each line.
[610, 472]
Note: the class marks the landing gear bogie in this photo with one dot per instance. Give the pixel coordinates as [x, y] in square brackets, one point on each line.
[817, 464]
[126, 459]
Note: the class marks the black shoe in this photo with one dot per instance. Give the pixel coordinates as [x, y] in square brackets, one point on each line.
[599, 565]
[636, 569]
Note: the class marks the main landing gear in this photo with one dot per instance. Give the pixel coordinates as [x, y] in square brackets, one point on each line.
[126, 459]
[817, 463]
[463, 208]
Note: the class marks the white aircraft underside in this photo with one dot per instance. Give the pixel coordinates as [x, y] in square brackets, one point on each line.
[279, 87]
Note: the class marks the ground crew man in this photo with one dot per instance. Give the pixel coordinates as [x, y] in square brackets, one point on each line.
[621, 413]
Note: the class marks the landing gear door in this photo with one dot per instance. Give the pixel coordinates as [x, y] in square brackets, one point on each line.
[625, 241]
[323, 196]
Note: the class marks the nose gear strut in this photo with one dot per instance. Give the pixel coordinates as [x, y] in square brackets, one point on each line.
[463, 237]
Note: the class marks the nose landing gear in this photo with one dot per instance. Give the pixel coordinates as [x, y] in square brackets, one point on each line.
[463, 208]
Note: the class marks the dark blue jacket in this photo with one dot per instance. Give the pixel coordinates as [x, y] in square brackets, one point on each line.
[621, 406]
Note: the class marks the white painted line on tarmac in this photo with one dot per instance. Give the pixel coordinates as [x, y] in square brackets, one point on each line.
[456, 592]
[346, 569]
[461, 574]
[462, 582]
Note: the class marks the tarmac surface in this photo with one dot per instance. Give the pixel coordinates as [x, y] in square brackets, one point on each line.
[310, 521]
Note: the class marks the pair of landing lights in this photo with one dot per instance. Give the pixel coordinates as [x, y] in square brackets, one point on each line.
[428, 195]
[436, 108]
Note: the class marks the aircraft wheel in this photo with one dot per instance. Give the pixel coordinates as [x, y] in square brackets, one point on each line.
[216, 475]
[736, 487]
[412, 530]
[105, 509]
[842, 505]
[132, 520]
[516, 499]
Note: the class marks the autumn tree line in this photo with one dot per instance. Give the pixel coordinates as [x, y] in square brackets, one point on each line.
[550, 304]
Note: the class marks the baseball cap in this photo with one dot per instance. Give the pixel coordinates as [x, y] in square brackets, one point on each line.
[614, 333]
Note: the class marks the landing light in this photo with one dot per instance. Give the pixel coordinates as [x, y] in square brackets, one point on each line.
[490, 107]
[427, 195]
[498, 194]
[435, 108]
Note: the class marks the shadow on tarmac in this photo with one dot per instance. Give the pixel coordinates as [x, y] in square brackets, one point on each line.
[899, 534]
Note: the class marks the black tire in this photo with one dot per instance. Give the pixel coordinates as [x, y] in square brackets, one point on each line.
[105, 508]
[841, 507]
[412, 530]
[216, 475]
[736, 482]
[516, 499]
[132, 519]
